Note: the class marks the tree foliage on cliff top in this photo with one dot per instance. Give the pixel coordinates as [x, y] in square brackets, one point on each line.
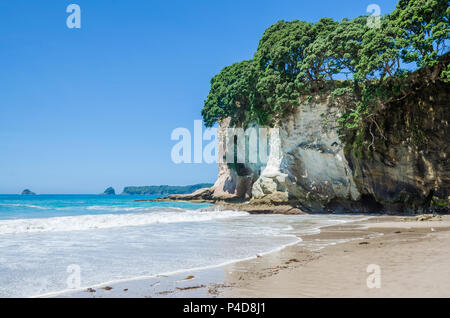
[299, 58]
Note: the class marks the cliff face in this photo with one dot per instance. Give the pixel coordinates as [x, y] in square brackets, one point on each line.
[231, 182]
[308, 165]
[316, 166]
[409, 169]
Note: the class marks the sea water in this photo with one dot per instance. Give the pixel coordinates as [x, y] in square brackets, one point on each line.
[113, 238]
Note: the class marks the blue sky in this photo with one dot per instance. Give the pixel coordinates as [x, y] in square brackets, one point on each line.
[83, 109]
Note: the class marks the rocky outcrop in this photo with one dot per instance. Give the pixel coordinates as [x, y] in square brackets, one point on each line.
[306, 166]
[315, 166]
[408, 169]
[233, 182]
[285, 209]
[28, 192]
[398, 162]
[201, 196]
[110, 191]
[164, 189]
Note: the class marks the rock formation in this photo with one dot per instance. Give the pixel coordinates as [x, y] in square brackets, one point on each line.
[28, 192]
[164, 189]
[400, 163]
[110, 191]
[315, 166]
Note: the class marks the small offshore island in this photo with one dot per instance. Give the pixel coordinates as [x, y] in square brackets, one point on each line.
[28, 192]
[109, 191]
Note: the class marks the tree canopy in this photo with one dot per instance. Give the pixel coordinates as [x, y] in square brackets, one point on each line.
[297, 58]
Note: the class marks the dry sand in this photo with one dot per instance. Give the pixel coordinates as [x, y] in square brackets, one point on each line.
[413, 258]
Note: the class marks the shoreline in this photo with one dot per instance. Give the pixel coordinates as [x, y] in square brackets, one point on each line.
[413, 256]
[168, 274]
[331, 263]
[209, 276]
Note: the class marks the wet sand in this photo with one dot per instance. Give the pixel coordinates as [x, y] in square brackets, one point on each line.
[413, 258]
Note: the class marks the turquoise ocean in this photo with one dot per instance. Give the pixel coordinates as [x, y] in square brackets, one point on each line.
[114, 238]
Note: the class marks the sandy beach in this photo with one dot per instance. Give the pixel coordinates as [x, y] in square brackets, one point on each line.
[412, 257]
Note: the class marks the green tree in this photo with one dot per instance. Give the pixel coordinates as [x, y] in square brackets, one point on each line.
[277, 97]
[282, 48]
[319, 63]
[424, 26]
[297, 58]
[280, 57]
[379, 55]
[233, 93]
[346, 42]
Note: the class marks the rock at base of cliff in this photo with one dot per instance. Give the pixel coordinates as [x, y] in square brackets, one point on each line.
[199, 196]
[260, 208]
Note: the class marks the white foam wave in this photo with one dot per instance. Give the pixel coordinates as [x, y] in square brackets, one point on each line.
[132, 209]
[115, 208]
[24, 205]
[88, 222]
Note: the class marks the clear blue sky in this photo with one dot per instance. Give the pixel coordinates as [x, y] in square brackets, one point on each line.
[84, 109]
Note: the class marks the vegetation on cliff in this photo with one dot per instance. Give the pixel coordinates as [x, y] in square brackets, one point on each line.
[165, 189]
[298, 59]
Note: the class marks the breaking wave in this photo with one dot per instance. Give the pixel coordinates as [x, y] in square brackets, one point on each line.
[24, 206]
[88, 222]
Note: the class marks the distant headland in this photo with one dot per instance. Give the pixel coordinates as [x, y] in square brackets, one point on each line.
[165, 189]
